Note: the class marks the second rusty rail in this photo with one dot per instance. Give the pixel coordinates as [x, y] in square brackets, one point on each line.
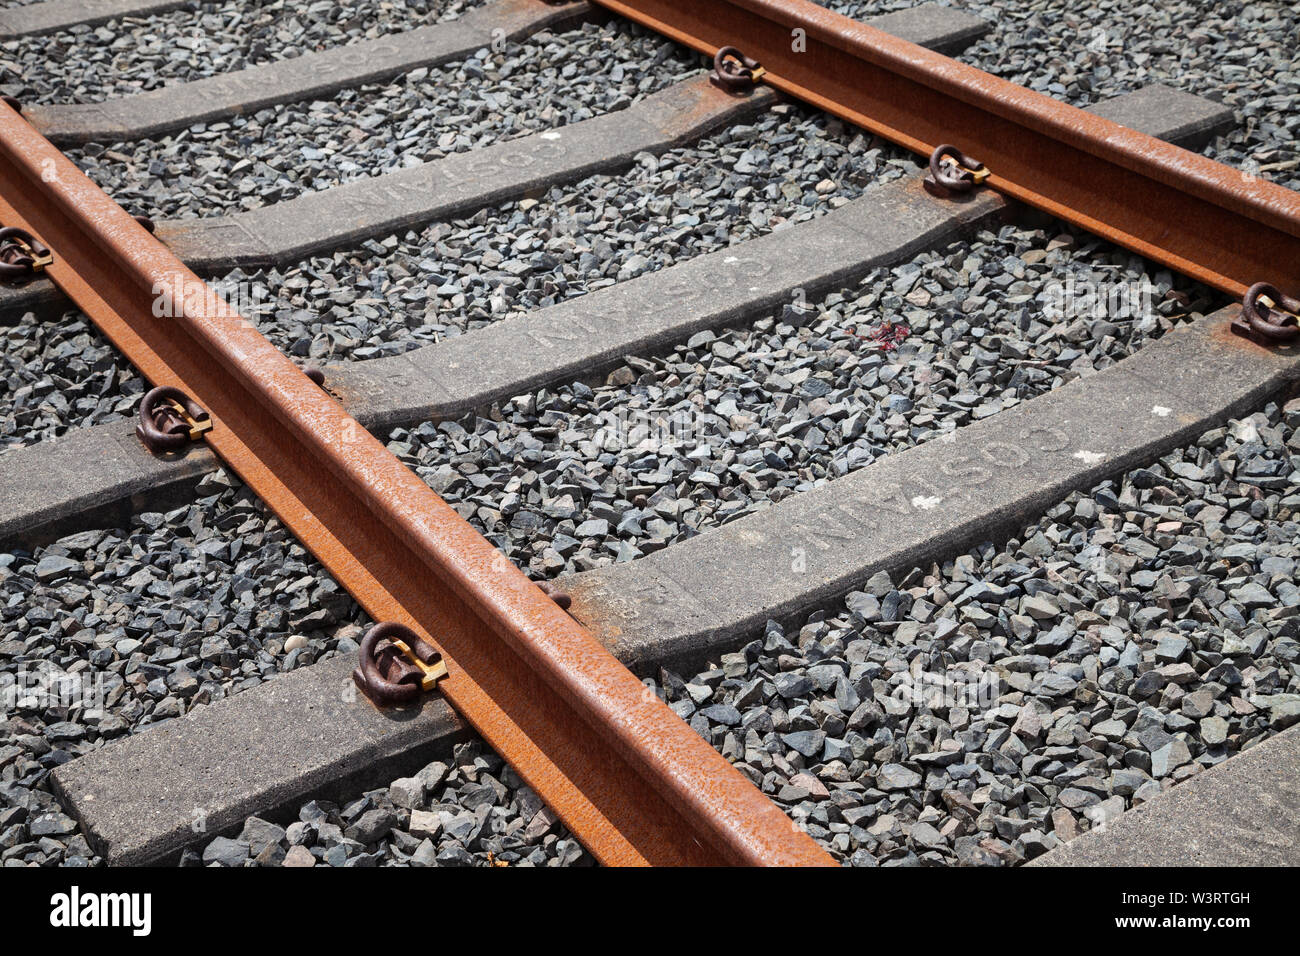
[1219, 225]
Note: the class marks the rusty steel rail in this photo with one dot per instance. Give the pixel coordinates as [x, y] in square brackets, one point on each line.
[1178, 208]
[632, 781]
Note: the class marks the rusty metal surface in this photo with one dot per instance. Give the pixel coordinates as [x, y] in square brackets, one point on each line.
[1178, 208]
[631, 780]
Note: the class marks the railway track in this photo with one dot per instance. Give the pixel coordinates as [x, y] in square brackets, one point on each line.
[928, 522]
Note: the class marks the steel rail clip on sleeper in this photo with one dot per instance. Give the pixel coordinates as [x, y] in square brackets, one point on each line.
[735, 72]
[631, 780]
[952, 171]
[170, 420]
[1267, 316]
[22, 255]
[397, 665]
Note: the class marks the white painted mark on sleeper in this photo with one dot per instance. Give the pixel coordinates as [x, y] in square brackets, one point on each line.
[1089, 457]
[926, 504]
[1160, 410]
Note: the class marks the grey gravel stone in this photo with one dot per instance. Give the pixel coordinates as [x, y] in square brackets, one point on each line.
[52, 824]
[372, 826]
[1214, 731]
[298, 856]
[260, 834]
[53, 567]
[897, 777]
[226, 852]
[406, 792]
[1169, 758]
[1283, 710]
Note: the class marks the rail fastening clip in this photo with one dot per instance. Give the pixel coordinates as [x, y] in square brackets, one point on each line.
[1267, 316]
[952, 171]
[397, 665]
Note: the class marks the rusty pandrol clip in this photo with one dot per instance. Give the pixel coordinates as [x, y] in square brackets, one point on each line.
[1267, 316]
[170, 420]
[22, 255]
[952, 171]
[735, 72]
[397, 665]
